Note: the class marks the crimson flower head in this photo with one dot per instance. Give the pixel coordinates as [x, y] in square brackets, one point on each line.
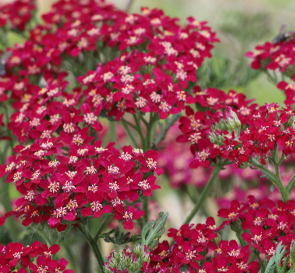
[264, 223]
[274, 56]
[35, 257]
[18, 13]
[213, 131]
[88, 181]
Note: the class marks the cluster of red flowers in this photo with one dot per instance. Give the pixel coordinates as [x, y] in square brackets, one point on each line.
[197, 126]
[40, 58]
[88, 25]
[90, 181]
[63, 175]
[274, 56]
[120, 88]
[237, 131]
[277, 56]
[150, 81]
[15, 257]
[269, 223]
[192, 244]
[50, 111]
[18, 13]
[80, 21]
[262, 224]
[268, 126]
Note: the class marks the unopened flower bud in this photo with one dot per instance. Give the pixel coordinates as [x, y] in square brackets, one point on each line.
[146, 257]
[213, 138]
[137, 249]
[116, 256]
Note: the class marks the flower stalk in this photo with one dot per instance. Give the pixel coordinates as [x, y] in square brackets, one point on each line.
[204, 194]
[94, 247]
[104, 224]
[275, 178]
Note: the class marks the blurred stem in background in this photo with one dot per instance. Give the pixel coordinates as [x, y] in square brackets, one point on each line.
[230, 68]
[129, 5]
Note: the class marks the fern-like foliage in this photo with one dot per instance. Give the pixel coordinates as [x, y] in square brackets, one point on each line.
[276, 261]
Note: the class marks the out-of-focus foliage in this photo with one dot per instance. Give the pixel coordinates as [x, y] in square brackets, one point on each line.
[229, 69]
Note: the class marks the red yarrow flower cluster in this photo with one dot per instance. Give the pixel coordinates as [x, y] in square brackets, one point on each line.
[88, 182]
[80, 31]
[37, 257]
[152, 81]
[190, 243]
[17, 13]
[268, 127]
[190, 248]
[196, 125]
[268, 223]
[88, 25]
[274, 56]
[214, 133]
[118, 87]
[42, 113]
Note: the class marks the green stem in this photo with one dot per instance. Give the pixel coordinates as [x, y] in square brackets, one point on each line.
[284, 192]
[129, 123]
[203, 194]
[270, 77]
[149, 131]
[146, 209]
[129, 6]
[63, 235]
[291, 184]
[270, 175]
[139, 130]
[144, 121]
[154, 130]
[274, 178]
[113, 131]
[105, 222]
[260, 261]
[193, 194]
[94, 247]
[241, 240]
[44, 236]
[127, 129]
[169, 123]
